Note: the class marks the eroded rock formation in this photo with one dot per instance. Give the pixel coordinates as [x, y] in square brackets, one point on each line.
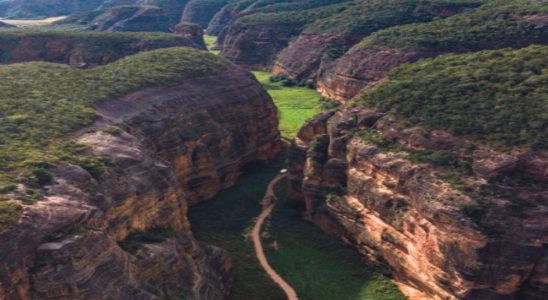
[424, 220]
[82, 49]
[256, 45]
[168, 146]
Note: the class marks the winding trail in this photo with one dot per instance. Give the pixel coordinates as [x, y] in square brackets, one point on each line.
[269, 201]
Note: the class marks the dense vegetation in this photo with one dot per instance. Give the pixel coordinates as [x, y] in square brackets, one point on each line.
[224, 221]
[317, 265]
[368, 17]
[495, 97]
[121, 18]
[42, 103]
[296, 17]
[489, 27]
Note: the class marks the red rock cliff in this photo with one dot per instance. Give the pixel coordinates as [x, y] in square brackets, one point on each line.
[438, 238]
[170, 146]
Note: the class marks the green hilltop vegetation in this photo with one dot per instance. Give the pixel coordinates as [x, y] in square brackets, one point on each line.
[42, 103]
[494, 97]
[367, 17]
[352, 17]
[296, 17]
[488, 27]
[104, 18]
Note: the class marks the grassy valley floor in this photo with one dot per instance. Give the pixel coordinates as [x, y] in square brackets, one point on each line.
[316, 265]
[295, 104]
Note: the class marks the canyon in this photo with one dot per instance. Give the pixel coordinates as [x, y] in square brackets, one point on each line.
[426, 156]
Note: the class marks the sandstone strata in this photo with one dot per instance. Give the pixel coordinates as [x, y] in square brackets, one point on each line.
[256, 45]
[169, 146]
[80, 50]
[463, 237]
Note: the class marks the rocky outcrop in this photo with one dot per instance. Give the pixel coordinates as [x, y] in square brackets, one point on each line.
[201, 11]
[450, 235]
[167, 146]
[193, 32]
[359, 69]
[222, 19]
[81, 49]
[256, 45]
[303, 58]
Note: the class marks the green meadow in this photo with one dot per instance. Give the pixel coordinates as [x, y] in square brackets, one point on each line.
[295, 104]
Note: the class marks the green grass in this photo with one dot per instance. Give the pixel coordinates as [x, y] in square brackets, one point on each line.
[295, 104]
[223, 220]
[210, 42]
[316, 265]
[10, 213]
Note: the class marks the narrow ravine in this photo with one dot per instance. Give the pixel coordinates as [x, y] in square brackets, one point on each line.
[269, 201]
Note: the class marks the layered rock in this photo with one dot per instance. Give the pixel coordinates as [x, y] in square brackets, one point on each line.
[82, 49]
[447, 234]
[168, 146]
[311, 52]
[361, 69]
[256, 45]
[201, 11]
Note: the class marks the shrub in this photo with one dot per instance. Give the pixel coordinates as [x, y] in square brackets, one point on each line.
[10, 213]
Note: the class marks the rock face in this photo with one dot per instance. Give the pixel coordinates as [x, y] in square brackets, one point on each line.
[303, 58]
[438, 237]
[201, 11]
[169, 146]
[359, 69]
[81, 49]
[256, 45]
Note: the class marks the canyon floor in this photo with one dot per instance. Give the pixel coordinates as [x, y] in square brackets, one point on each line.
[316, 265]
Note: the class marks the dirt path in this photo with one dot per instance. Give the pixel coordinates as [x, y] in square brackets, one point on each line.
[269, 203]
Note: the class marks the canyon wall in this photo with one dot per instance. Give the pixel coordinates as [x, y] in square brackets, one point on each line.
[82, 49]
[168, 147]
[438, 236]
[256, 45]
